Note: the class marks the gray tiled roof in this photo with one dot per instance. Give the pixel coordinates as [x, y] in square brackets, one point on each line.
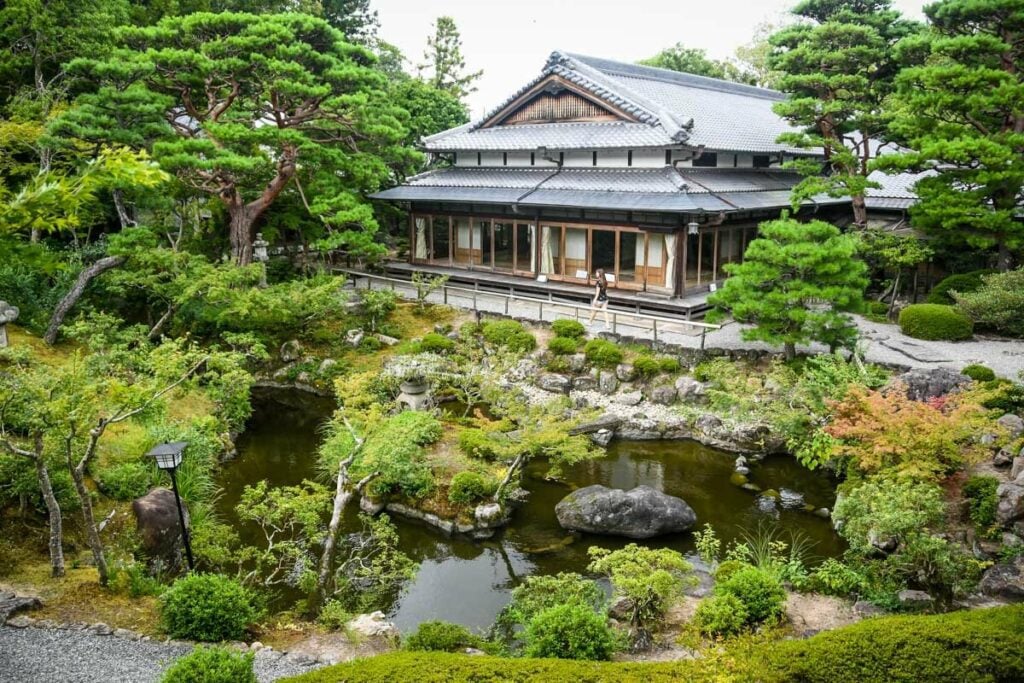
[657, 189]
[674, 108]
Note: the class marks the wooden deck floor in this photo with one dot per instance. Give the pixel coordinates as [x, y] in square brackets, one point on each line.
[690, 307]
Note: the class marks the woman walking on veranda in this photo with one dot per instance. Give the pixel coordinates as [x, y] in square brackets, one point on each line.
[600, 301]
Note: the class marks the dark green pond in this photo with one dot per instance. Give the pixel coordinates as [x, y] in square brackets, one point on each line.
[468, 582]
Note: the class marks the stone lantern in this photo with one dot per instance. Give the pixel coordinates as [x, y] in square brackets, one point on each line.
[8, 314]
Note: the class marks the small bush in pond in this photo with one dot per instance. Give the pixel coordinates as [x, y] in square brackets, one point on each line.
[980, 493]
[207, 607]
[433, 342]
[669, 365]
[603, 353]
[646, 367]
[720, 615]
[538, 593]
[125, 481]
[569, 632]
[212, 665]
[476, 443]
[760, 592]
[935, 322]
[570, 329]
[440, 636]
[333, 615]
[979, 373]
[562, 346]
[469, 487]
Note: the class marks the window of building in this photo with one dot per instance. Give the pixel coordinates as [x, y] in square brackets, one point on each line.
[479, 159]
[595, 158]
[668, 157]
[504, 158]
[629, 158]
[706, 159]
[762, 161]
[561, 158]
[533, 159]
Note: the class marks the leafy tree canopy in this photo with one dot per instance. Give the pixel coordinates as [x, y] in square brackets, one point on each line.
[695, 61]
[838, 66]
[962, 111]
[241, 107]
[444, 63]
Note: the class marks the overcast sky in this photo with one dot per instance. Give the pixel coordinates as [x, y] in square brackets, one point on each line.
[510, 40]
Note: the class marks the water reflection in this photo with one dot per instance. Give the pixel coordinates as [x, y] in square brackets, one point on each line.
[468, 582]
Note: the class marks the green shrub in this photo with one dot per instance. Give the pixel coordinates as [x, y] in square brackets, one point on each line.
[207, 607]
[569, 632]
[832, 577]
[760, 592]
[980, 493]
[521, 342]
[879, 307]
[433, 342]
[569, 329]
[334, 615]
[559, 364]
[562, 346]
[961, 282]
[978, 646]
[720, 615]
[499, 332]
[395, 450]
[979, 373]
[669, 365]
[727, 568]
[370, 344]
[646, 367]
[935, 322]
[476, 443]
[440, 636]
[133, 581]
[603, 353]
[541, 592]
[125, 481]
[1006, 396]
[469, 487]
[212, 665]
[998, 304]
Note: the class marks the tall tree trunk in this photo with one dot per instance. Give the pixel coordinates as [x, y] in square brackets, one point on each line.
[860, 211]
[241, 235]
[1005, 259]
[124, 213]
[789, 351]
[92, 534]
[75, 293]
[54, 513]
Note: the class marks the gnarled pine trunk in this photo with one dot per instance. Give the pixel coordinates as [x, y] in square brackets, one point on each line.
[75, 293]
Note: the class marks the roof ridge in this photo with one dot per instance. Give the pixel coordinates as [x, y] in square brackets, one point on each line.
[630, 70]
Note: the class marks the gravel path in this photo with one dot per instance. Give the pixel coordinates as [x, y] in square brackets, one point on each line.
[883, 343]
[31, 655]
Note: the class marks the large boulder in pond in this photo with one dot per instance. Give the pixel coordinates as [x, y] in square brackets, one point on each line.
[156, 518]
[642, 512]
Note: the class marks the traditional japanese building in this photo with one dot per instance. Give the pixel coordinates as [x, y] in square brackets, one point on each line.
[657, 177]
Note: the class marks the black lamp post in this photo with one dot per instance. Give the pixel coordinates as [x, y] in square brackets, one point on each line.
[168, 457]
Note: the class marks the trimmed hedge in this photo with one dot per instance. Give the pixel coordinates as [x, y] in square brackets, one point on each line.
[961, 282]
[979, 373]
[603, 353]
[570, 329]
[935, 322]
[433, 342]
[207, 607]
[562, 346]
[976, 646]
[212, 665]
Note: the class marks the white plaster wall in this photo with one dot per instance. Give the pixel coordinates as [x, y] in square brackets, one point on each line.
[648, 158]
[579, 159]
[518, 158]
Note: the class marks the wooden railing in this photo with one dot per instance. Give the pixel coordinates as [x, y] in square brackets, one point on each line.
[451, 294]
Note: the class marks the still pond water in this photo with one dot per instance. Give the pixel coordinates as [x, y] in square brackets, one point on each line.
[469, 582]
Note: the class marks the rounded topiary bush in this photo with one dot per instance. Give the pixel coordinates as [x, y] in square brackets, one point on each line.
[961, 282]
[979, 373]
[570, 631]
[646, 366]
[669, 365]
[562, 346]
[521, 342]
[760, 592]
[720, 615]
[935, 322]
[433, 342]
[603, 353]
[207, 607]
[440, 636]
[509, 333]
[468, 487]
[570, 329]
[212, 665]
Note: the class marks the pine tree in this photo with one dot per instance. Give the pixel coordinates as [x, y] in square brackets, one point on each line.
[445, 63]
[241, 107]
[962, 112]
[793, 285]
[838, 67]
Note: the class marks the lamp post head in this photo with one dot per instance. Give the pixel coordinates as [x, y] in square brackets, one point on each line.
[168, 455]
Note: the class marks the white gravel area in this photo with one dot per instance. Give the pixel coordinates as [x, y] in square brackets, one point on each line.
[38, 655]
[882, 343]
